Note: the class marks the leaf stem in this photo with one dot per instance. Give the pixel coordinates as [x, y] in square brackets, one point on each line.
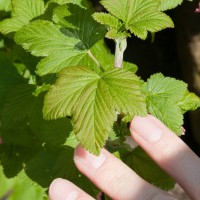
[94, 59]
[120, 47]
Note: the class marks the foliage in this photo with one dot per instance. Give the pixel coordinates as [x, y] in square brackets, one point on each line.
[60, 86]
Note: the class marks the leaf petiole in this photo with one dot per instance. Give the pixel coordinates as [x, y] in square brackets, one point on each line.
[95, 60]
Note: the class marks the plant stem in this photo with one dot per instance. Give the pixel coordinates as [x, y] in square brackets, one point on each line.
[120, 47]
[95, 60]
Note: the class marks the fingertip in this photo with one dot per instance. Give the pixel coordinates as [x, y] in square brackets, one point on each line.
[61, 189]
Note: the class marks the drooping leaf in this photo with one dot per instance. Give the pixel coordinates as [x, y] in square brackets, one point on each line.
[145, 167]
[169, 4]
[163, 95]
[92, 101]
[79, 24]
[139, 16]
[22, 12]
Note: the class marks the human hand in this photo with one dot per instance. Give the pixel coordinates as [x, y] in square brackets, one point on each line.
[119, 182]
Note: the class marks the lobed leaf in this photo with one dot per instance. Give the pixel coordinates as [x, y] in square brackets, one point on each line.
[92, 101]
[43, 38]
[163, 95]
[22, 12]
[139, 16]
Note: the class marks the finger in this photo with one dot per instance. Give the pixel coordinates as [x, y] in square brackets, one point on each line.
[61, 189]
[115, 178]
[169, 151]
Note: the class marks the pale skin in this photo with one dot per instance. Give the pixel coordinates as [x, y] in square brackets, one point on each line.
[119, 182]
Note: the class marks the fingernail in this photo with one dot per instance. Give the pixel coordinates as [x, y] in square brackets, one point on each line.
[147, 127]
[88, 159]
[61, 189]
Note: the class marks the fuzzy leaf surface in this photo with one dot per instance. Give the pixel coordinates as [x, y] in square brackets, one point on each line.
[92, 101]
[169, 4]
[163, 95]
[139, 16]
[22, 12]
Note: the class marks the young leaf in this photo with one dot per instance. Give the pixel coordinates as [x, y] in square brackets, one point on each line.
[79, 24]
[92, 101]
[139, 16]
[169, 4]
[115, 27]
[22, 12]
[190, 101]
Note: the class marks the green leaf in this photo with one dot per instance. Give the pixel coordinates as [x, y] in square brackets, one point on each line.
[190, 101]
[58, 61]
[163, 95]
[18, 189]
[79, 24]
[81, 3]
[22, 12]
[169, 4]
[9, 77]
[92, 101]
[116, 28]
[168, 112]
[43, 38]
[159, 86]
[5, 5]
[146, 168]
[139, 16]
[57, 163]
[20, 104]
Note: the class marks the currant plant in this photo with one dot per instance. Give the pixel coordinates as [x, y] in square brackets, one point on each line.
[60, 86]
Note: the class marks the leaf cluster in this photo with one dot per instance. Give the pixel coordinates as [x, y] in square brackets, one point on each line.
[58, 87]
